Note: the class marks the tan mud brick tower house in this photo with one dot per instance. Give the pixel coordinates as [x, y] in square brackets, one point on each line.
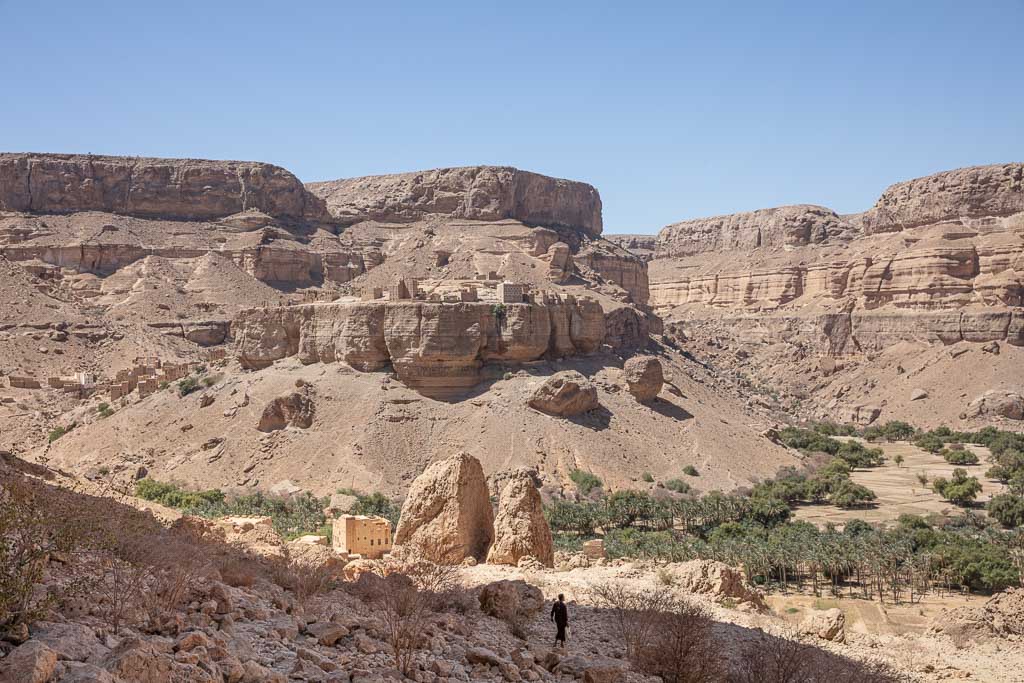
[369, 537]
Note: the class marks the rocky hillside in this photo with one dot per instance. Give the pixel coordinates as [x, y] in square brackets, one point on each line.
[938, 261]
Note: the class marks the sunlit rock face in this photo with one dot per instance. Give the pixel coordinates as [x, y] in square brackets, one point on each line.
[434, 347]
[937, 259]
[485, 193]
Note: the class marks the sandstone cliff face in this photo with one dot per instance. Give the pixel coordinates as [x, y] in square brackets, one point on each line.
[185, 189]
[447, 515]
[433, 347]
[787, 226]
[954, 271]
[487, 193]
[975, 192]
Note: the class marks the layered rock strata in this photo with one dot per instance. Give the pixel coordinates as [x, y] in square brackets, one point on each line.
[184, 189]
[434, 347]
[486, 193]
[937, 259]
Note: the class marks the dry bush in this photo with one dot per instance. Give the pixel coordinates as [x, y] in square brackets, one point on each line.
[405, 594]
[305, 580]
[636, 612]
[769, 659]
[237, 573]
[29, 534]
[664, 635]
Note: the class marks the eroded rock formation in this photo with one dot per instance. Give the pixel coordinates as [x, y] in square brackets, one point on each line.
[292, 410]
[487, 193]
[565, 394]
[447, 514]
[644, 377]
[432, 346]
[953, 270]
[188, 189]
[520, 528]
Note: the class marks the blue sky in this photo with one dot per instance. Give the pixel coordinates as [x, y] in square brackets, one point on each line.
[672, 110]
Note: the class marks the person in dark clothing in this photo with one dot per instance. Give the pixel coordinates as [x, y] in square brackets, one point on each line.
[560, 615]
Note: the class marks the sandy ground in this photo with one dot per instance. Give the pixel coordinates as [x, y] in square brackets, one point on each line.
[900, 492]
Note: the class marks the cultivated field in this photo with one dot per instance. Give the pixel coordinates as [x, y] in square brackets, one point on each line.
[899, 490]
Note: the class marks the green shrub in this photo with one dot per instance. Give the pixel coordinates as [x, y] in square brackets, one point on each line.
[959, 457]
[291, 517]
[648, 477]
[1007, 509]
[586, 482]
[212, 379]
[677, 485]
[187, 386]
[849, 495]
[691, 471]
[60, 431]
[376, 504]
[960, 490]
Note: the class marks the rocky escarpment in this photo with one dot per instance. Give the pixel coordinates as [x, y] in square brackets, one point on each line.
[434, 347]
[183, 189]
[784, 226]
[484, 193]
[957, 262]
[990, 192]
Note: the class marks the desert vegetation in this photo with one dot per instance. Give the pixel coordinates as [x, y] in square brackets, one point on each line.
[754, 529]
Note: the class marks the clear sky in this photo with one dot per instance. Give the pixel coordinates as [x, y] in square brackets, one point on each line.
[672, 110]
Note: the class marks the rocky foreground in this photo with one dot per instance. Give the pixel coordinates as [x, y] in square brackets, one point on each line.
[126, 592]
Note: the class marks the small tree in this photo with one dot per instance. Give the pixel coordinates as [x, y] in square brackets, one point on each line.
[961, 490]
[959, 456]
[1007, 509]
[898, 459]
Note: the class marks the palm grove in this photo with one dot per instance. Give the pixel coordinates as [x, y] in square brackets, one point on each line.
[754, 528]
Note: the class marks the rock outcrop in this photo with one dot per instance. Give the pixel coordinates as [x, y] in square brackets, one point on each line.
[182, 189]
[520, 528]
[999, 403]
[565, 394]
[511, 601]
[977, 191]
[715, 580]
[644, 377]
[782, 226]
[436, 348]
[484, 193]
[292, 410]
[447, 514]
[828, 624]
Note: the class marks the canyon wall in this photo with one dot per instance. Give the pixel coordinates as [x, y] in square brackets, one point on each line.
[484, 193]
[182, 189]
[937, 259]
[434, 347]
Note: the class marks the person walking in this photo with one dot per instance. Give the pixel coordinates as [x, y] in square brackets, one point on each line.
[560, 615]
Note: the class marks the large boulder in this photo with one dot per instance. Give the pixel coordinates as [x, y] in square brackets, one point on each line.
[519, 527]
[716, 580]
[32, 662]
[511, 600]
[829, 624]
[291, 410]
[644, 377]
[447, 515]
[565, 394]
[1002, 403]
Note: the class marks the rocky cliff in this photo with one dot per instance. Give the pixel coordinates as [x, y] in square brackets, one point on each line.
[485, 193]
[978, 192]
[434, 347]
[937, 261]
[184, 189]
[784, 226]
